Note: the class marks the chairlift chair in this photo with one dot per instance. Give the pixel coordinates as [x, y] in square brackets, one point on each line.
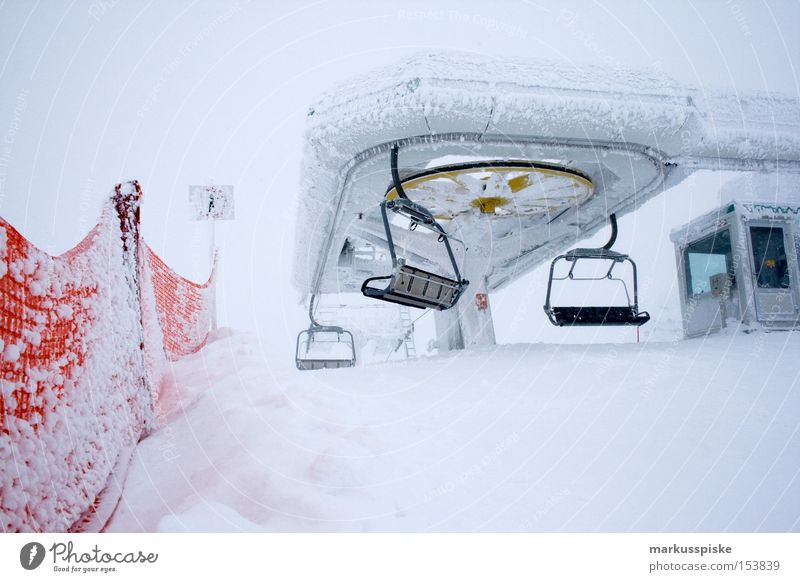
[324, 346]
[409, 285]
[593, 315]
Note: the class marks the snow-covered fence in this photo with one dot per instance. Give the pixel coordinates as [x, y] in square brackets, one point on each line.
[185, 308]
[80, 355]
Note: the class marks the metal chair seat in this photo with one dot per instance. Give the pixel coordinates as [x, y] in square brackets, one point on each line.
[304, 365]
[586, 316]
[416, 288]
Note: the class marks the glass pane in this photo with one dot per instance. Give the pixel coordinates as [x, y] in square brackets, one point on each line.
[769, 257]
[702, 267]
[706, 258]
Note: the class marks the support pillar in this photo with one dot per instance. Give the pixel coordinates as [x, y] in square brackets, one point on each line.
[448, 330]
[475, 316]
[469, 324]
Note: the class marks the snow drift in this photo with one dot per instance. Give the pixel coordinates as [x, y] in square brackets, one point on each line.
[688, 435]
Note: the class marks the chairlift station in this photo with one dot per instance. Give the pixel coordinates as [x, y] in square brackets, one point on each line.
[515, 161]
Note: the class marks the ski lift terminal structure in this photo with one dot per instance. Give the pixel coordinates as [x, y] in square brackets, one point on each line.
[520, 160]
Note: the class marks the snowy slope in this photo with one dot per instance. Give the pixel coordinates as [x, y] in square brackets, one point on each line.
[691, 435]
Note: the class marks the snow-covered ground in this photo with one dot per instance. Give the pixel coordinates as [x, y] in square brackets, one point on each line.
[577, 433]
[697, 435]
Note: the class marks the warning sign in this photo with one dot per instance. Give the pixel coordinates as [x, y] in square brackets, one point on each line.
[211, 202]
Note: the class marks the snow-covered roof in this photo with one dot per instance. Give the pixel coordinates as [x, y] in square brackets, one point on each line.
[633, 133]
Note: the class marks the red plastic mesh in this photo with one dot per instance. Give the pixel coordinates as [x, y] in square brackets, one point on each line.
[184, 308]
[50, 324]
[21, 311]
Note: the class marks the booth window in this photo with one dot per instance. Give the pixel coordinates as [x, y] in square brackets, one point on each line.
[769, 257]
[706, 258]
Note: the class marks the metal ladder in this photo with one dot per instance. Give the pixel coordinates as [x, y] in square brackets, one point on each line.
[408, 328]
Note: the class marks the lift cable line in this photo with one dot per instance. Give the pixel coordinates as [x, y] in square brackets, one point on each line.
[596, 316]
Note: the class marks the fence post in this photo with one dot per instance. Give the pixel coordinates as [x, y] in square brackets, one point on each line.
[128, 205]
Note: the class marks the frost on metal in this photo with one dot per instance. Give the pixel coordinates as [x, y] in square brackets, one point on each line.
[81, 362]
[633, 133]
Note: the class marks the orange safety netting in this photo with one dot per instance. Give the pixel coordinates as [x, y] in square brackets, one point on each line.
[31, 318]
[184, 308]
[81, 339]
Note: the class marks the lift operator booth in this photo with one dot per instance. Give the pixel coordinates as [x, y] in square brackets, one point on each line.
[739, 265]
